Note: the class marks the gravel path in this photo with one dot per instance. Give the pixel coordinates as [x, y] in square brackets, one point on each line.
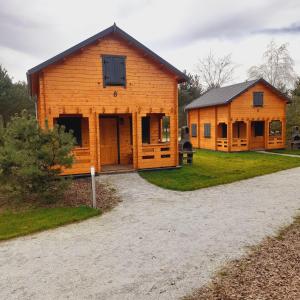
[157, 244]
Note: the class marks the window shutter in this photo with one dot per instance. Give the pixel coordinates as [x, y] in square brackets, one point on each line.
[194, 130]
[114, 72]
[106, 70]
[258, 99]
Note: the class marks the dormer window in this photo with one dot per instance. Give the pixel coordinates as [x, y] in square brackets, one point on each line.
[258, 99]
[114, 71]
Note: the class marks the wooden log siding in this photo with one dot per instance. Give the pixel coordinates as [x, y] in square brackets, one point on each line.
[75, 86]
[240, 109]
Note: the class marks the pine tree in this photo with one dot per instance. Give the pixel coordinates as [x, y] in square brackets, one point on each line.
[31, 159]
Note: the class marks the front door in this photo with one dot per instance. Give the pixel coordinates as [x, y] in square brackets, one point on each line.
[257, 135]
[109, 146]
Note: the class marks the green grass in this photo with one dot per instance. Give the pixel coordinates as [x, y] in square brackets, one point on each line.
[287, 151]
[213, 168]
[13, 224]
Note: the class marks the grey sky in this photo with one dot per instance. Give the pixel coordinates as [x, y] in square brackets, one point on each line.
[179, 31]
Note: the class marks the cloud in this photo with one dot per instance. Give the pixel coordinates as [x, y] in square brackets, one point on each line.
[294, 28]
[20, 33]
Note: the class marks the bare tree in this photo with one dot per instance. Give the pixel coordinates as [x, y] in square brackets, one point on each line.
[215, 71]
[277, 67]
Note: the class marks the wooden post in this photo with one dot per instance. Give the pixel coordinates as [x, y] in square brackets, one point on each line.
[248, 134]
[216, 127]
[97, 140]
[229, 128]
[93, 187]
[266, 133]
[92, 136]
[135, 140]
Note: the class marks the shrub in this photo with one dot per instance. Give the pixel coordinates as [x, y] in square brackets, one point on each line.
[32, 158]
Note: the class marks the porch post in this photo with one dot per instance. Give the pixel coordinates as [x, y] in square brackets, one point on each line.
[92, 138]
[229, 135]
[248, 133]
[134, 140]
[266, 133]
[97, 120]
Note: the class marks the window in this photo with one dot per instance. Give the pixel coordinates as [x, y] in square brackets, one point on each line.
[207, 130]
[72, 124]
[146, 130]
[194, 130]
[275, 128]
[114, 71]
[258, 99]
[164, 136]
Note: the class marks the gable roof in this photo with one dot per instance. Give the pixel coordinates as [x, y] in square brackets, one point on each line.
[224, 95]
[112, 29]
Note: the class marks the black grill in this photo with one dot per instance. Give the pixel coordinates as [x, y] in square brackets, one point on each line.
[185, 147]
[295, 138]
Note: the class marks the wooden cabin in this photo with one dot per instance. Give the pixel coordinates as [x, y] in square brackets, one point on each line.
[246, 116]
[117, 96]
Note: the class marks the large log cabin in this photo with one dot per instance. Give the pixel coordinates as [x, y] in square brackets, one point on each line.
[246, 116]
[119, 99]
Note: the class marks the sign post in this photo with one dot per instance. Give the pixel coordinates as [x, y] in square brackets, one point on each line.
[93, 187]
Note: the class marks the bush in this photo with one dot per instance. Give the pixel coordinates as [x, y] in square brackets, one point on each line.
[31, 159]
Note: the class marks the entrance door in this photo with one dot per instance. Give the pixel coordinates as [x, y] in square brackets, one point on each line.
[109, 146]
[257, 135]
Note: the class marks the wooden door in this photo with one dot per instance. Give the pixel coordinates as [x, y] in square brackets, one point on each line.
[108, 141]
[257, 135]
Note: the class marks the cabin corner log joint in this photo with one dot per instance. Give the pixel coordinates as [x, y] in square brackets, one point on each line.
[246, 116]
[113, 93]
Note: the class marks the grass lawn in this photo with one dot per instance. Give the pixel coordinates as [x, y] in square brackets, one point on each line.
[287, 151]
[213, 168]
[13, 224]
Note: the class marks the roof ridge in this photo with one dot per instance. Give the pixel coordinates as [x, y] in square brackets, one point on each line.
[112, 29]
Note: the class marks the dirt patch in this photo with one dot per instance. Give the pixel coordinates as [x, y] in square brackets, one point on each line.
[270, 271]
[79, 193]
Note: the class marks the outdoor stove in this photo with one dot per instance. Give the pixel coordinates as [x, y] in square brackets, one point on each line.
[295, 138]
[185, 147]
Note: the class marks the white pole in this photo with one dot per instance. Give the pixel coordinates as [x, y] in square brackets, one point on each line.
[93, 187]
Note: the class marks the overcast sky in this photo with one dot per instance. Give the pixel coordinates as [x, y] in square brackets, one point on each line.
[181, 32]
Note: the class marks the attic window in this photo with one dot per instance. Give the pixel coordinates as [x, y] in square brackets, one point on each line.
[114, 71]
[258, 99]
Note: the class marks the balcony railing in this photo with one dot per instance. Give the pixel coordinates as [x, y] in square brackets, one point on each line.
[222, 144]
[275, 142]
[240, 143]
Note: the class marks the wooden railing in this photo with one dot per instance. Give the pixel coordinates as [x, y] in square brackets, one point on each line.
[275, 142]
[222, 144]
[239, 143]
[82, 154]
[153, 155]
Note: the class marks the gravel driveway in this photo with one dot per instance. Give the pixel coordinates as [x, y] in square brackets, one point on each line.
[157, 244]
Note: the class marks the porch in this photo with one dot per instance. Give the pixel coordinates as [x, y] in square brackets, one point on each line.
[121, 142]
[249, 135]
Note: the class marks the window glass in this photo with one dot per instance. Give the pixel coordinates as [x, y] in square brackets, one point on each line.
[207, 130]
[258, 99]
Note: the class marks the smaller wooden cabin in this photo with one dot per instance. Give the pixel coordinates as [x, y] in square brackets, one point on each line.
[118, 97]
[246, 116]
